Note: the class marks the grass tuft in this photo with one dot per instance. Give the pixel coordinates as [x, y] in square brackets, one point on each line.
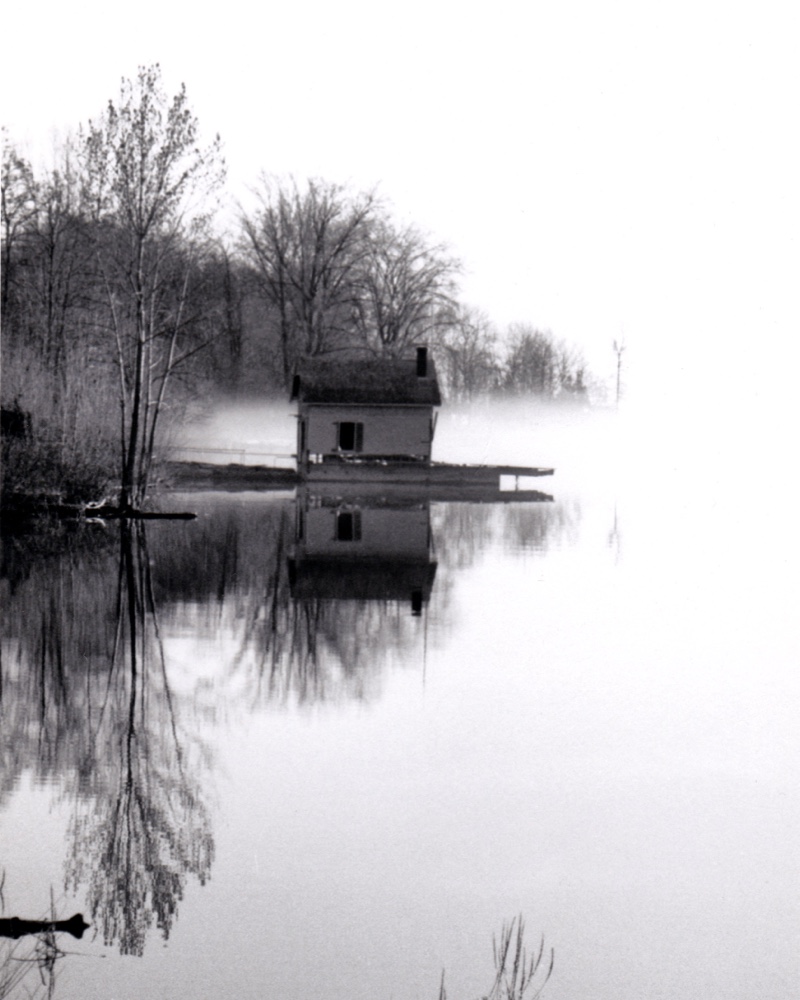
[519, 975]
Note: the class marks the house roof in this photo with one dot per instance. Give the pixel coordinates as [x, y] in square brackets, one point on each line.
[369, 381]
[360, 579]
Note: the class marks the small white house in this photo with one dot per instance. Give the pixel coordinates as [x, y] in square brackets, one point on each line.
[366, 409]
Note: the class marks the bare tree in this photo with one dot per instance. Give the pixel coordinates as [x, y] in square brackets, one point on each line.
[307, 245]
[467, 352]
[55, 283]
[531, 364]
[224, 293]
[17, 208]
[538, 364]
[406, 289]
[145, 177]
[53, 366]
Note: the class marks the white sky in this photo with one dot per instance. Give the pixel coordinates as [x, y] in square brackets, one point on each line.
[602, 169]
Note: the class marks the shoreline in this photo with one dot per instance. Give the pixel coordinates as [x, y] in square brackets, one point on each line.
[452, 481]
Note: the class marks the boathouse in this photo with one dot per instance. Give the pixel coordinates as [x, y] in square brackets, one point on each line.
[365, 409]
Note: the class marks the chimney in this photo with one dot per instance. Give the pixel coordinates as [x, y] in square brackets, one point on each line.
[422, 362]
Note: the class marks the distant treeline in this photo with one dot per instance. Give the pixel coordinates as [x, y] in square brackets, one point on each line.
[120, 300]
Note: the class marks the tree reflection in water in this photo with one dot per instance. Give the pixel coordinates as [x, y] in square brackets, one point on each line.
[91, 700]
[153, 830]
[361, 571]
[321, 593]
[295, 636]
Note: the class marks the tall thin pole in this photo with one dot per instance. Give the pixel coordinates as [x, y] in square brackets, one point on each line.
[619, 347]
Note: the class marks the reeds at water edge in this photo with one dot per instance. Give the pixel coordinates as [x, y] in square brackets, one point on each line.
[519, 975]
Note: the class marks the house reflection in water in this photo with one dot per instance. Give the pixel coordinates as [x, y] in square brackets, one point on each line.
[363, 548]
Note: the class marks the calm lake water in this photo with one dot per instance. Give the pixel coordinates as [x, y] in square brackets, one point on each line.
[325, 746]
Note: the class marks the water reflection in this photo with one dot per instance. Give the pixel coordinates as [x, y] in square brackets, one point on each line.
[314, 595]
[362, 547]
[87, 705]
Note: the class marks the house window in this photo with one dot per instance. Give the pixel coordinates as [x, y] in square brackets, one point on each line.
[348, 525]
[350, 436]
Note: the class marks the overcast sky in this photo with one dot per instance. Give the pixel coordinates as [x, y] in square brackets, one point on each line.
[603, 170]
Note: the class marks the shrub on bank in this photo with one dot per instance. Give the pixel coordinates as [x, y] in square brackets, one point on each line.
[59, 436]
[38, 473]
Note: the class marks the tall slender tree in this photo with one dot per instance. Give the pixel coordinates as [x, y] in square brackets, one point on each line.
[146, 179]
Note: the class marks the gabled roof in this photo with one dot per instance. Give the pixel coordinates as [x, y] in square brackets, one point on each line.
[370, 381]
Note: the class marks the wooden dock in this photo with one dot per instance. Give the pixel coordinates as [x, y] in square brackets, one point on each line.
[419, 473]
[435, 481]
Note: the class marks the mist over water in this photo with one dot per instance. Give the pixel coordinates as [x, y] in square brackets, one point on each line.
[492, 432]
[253, 432]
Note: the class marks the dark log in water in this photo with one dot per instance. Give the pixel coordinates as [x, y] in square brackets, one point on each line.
[27, 507]
[131, 513]
[14, 927]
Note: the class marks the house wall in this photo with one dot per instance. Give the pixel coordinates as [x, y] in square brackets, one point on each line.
[388, 430]
[399, 534]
